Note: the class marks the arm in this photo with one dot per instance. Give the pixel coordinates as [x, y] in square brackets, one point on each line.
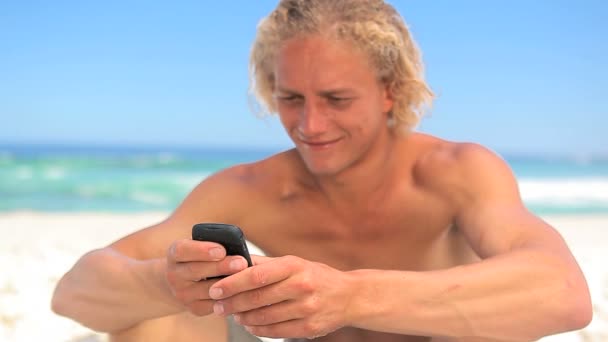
[134, 279]
[528, 284]
[109, 291]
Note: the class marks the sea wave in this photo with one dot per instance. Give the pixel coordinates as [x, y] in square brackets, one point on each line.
[566, 194]
[54, 173]
[73, 179]
[23, 173]
[151, 198]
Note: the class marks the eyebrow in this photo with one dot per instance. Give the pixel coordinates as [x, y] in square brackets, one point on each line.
[325, 93]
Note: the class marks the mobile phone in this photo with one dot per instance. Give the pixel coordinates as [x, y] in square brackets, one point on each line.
[227, 235]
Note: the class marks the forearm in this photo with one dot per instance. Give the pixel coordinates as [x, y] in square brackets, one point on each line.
[107, 291]
[516, 297]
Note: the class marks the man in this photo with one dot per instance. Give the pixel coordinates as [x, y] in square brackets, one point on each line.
[372, 232]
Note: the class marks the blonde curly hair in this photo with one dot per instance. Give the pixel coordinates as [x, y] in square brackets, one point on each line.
[372, 26]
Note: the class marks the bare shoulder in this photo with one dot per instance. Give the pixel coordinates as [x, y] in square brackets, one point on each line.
[463, 171]
[227, 196]
[231, 194]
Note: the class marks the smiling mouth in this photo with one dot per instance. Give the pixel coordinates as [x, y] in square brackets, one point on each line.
[320, 144]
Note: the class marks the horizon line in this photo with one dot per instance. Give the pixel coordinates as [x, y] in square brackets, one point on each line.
[160, 146]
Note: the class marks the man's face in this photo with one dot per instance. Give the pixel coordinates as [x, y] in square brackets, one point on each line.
[330, 102]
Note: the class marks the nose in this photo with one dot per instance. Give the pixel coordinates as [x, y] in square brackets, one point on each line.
[312, 121]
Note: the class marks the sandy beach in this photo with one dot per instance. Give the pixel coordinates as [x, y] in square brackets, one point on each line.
[37, 248]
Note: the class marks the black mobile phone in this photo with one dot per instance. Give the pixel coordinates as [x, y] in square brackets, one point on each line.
[227, 235]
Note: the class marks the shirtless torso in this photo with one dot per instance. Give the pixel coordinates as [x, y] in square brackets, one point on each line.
[407, 226]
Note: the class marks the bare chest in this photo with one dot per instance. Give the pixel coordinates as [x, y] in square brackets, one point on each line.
[415, 240]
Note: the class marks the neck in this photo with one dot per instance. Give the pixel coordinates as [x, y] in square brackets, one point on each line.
[367, 179]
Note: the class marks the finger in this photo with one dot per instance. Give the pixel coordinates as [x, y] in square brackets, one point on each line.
[272, 314]
[250, 300]
[197, 270]
[201, 307]
[260, 297]
[195, 291]
[251, 278]
[190, 250]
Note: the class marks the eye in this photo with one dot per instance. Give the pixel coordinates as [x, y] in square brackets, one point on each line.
[290, 99]
[336, 99]
[339, 101]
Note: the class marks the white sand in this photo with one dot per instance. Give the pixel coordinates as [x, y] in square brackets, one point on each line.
[36, 249]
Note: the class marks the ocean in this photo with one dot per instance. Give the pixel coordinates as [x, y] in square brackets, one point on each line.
[132, 179]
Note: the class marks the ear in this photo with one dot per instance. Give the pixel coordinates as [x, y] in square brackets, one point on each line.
[387, 98]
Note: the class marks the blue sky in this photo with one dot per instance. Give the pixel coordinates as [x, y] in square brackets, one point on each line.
[517, 76]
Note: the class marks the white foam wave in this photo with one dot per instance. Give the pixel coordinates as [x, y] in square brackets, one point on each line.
[166, 158]
[142, 161]
[54, 173]
[188, 181]
[149, 198]
[86, 191]
[24, 173]
[565, 191]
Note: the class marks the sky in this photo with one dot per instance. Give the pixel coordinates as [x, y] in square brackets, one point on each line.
[519, 76]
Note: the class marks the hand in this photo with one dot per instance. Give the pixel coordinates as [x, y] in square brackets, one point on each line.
[286, 297]
[190, 264]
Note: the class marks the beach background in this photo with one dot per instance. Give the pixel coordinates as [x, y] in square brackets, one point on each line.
[60, 201]
[111, 112]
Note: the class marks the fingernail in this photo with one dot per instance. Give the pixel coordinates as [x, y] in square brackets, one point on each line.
[218, 308]
[237, 318]
[216, 253]
[236, 264]
[215, 293]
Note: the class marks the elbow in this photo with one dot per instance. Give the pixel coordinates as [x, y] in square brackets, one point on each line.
[565, 300]
[64, 301]
[71, 297]
[67, 302]
[579, 312]
[59, 304]
[576, 309]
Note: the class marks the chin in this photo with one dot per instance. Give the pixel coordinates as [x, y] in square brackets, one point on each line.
[323, 169]
[323, 165]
